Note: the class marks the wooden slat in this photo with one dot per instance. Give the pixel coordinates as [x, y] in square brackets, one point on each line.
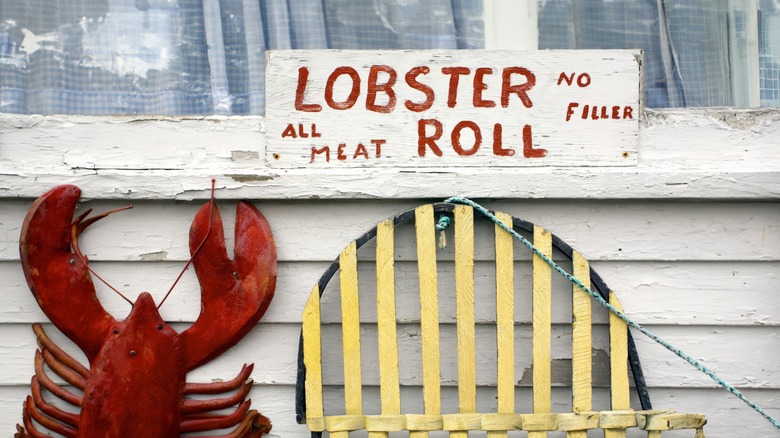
[350, 325]
[618, 359]
[390, 392]
[312, 355]
[464, 311]
[429, 312]
[582, 392]
[542, 314]
[505, 316]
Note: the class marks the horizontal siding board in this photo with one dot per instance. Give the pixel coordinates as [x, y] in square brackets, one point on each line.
[318, 230]
[721, 348]
[725, 414]
[686, 293]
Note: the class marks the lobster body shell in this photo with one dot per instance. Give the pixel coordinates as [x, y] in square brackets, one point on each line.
[135, 385]
[145, 401]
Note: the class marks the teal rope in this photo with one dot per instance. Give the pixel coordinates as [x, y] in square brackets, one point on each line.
[444, 222]
[698, 365]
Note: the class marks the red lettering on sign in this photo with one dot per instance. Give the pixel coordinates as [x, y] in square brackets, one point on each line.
[454, 73]
[599, 112]
[455, 136]
[378, 144]
[354, 93]
[498, 150]
[570, 109]
[303, 79]
[360, 151]
[387, 88]
[411, 79]
[424, 140]
[289, 131]
[583, 79]
[521, 90]
[315, 152]
[528, 145]
[568, 79]
[480, 86]
[340, 152]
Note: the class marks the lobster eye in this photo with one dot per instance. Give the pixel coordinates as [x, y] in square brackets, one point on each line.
[159, 326]
[116, 330]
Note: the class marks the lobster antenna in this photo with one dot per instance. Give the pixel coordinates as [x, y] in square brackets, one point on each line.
[211, 216]
[77, 227]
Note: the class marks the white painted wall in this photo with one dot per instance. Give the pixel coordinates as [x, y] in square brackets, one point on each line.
[690, 240]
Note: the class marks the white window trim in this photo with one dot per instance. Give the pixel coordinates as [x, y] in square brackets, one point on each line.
[683, 154]
[511, 24]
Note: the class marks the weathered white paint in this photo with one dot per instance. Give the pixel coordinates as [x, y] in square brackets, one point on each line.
[511, 25]
[683, 154]
[694, 256]
[625, 231]
[345, 109]
[676, 285]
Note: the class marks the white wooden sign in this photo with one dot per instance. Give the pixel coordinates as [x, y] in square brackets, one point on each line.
[447, 108]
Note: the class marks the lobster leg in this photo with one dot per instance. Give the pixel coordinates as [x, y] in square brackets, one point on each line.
[68, 418]
[45, 343]
[235, 293]
[195, 406]
[220, 387]
[47, 383]
[254, 425]
[61, 370]
[47, 422]
[31, 430]
[199, 423]
[59, 279]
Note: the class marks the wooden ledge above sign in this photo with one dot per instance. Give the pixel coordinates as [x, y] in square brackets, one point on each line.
[452, 108]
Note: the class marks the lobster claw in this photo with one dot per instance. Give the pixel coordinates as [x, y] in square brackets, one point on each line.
[59, 280]
[234, 293]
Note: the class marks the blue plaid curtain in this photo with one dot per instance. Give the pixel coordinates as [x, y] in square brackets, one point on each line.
[687, 43]
[195, 56]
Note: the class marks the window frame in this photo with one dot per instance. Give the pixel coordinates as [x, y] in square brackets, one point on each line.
[514, 25]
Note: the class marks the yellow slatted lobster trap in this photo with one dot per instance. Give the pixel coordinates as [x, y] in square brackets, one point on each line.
[480, 335]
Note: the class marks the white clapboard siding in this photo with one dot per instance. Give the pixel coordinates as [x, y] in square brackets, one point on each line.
[642, 286]
[689, 239]
[319, 230]
[274, 402]
[723, 349]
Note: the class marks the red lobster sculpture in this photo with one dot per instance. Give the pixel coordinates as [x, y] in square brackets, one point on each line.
[135, 384]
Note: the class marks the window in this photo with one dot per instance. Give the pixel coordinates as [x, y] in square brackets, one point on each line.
[207, 56]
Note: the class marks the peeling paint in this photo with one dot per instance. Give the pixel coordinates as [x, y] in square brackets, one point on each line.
[157, 256]
[244, 177]
[561, 371]
[244, 155]
[744, 120]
